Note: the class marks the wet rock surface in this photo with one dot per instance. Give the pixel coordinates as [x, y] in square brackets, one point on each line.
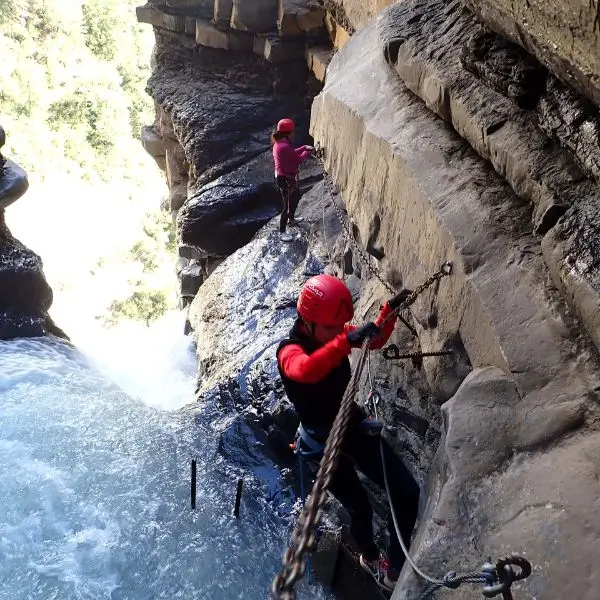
[245, 307]
[242, 311]
[223, 106]
[564, 36]
[224, 215]
[13, 182]
[25, 295]
[532, 396]
[473, 80]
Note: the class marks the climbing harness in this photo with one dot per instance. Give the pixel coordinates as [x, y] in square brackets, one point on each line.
[303, 537]
[328, 189]
[497, 579]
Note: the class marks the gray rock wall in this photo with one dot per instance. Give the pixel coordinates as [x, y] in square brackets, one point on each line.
[414, 185]
[564, 35]
[447, 142]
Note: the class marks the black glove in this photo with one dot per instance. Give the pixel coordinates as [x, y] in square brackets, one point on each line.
[399, 298]
[358, 336]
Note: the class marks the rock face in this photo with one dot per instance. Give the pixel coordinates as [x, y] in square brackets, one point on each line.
[447, 142]
[25, 296]
[224, 215]
[423, 40]
[563, 35]
[217, 104]
[421, 195]
[13, 182]
[259, 16]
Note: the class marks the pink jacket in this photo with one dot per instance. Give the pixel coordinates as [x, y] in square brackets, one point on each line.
[288, 159]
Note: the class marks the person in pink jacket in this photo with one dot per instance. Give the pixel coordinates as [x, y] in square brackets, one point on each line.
[287, 162]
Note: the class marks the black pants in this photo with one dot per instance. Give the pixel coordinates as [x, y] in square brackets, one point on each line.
[290, 195]
[362, 452]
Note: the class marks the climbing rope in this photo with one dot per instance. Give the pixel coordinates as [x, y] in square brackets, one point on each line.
[329, 190]
[498, 579]
[303, 536]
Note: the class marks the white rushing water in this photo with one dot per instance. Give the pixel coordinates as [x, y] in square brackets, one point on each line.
[96, 439]
[95, 483]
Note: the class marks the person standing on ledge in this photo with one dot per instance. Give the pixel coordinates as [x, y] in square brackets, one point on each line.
[287, 162]
[315, 371]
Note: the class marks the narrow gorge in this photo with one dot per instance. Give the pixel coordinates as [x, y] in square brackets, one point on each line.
[453, 130]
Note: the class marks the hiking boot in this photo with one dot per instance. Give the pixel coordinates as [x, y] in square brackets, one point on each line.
[378, 570]
[294, 222]
[285, 237]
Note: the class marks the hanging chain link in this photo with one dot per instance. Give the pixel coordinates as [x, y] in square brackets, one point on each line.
[329, 190]
[303, 536]
[350, 238]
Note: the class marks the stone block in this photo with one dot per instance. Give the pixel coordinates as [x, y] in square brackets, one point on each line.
[175, 23]
[190, 26]
[222, 11]
[239, 40]
[257, 16]
[191, 253]
[337, 34]
[191, 277]
[153, 16]
[152, 143]
[278, 51]
[177, 195]
[298, 16]
[198, 8]
[317, 59]
[208, 35]
[259, 45]
[173, 169]
[341, 37]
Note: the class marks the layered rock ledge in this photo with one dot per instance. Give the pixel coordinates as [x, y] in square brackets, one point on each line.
[421, 195]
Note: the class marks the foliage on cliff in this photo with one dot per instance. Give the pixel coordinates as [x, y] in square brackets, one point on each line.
[72, 80]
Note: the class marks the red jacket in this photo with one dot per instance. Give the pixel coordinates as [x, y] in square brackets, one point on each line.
[288, 159]
[310, 368]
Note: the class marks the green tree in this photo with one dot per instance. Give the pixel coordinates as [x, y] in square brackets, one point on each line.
[142, 305]
[100, 24]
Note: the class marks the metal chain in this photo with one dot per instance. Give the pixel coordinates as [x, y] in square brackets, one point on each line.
[445, 270]
[328, 189]
[303, 536]
[410, 355]
[452, 579]
[351, 239]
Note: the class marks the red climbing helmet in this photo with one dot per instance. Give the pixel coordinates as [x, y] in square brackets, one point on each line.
[325, 300]
[286, 126]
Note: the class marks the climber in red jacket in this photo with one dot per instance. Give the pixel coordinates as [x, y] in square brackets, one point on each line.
[315, 370]
[287, 162]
